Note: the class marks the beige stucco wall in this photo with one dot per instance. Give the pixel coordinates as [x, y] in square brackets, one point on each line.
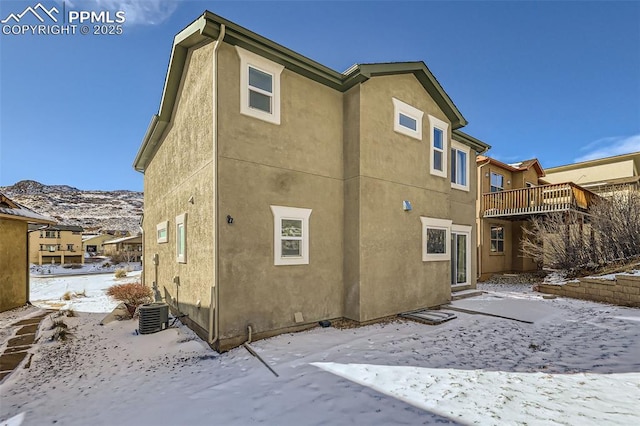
[66, 237]
[183, 168]
[393, 168]
[13, 264]
[593, 174]
[336, 154]
[295, 164]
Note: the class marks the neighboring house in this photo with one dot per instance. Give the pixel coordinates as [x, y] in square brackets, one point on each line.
[14, 264]
[603, 176]
[129, 247]
[510, 195]
[59, 244]
[92, 245]
[279, 192]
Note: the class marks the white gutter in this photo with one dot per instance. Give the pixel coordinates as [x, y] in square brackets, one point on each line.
[214, 304]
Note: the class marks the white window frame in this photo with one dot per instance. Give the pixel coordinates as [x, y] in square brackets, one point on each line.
[294, 213]
[181, 222]
[439, 224]
[466, 230]
[462, 148]
[162, 226]
[407, 110]
[435, 123]
[497, 240]
[250, 59]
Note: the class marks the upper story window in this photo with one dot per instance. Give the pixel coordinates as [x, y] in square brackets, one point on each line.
[259, 86]
[497, 182]
[407, 119]
[439, 131]
[291, 235]
[52, 234]
[459, 166]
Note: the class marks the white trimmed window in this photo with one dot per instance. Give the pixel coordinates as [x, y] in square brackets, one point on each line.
[407, 119]
[439, 131]
[181, 238]
[436, 234]
[459, 166]
[259, 86]
[497, 239]
[162, 231]
[290, 235]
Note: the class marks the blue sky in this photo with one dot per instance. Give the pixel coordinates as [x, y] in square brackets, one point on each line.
[559, 81]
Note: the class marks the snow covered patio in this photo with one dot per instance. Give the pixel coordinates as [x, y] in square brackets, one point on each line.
[578, 363]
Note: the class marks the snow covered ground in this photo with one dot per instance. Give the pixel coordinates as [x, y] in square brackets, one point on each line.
[577, 363]
[100, 267]
[87, 292]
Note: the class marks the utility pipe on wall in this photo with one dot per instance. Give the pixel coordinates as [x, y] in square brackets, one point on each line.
[214, 303]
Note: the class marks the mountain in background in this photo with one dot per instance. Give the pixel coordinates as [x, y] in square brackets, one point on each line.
[95, 211]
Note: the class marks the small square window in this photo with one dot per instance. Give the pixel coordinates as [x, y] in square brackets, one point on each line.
[436, 241]
[162, 231]
[181, 238]
[291, 235]
[435, 238]
[407, 119]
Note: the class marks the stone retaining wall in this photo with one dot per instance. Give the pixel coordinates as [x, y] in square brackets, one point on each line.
[624, 290]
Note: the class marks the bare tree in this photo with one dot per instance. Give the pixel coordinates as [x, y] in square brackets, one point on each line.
[570, 240]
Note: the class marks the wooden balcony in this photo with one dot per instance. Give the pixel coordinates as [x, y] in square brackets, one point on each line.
[520, 203]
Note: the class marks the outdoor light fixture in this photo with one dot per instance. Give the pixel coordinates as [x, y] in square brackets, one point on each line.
[229, 219]
[486, 174]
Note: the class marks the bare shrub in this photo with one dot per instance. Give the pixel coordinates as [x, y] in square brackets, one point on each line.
[67, 295]
[132, 294]
[609, 233]
[121, 273]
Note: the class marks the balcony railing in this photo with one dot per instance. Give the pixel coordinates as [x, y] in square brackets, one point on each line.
[537, 200]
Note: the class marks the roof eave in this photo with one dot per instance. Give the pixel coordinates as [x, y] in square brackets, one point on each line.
[476, 144]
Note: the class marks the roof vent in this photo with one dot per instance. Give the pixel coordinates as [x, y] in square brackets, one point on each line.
[154, 317]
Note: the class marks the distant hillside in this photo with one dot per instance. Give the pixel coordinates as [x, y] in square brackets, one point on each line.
[93, 210]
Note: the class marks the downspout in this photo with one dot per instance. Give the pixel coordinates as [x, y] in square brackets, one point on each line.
[28, 284]
[481, 221]
[214, 304]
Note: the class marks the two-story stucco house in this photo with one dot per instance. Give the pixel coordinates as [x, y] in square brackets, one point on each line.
[279, 192]
[56, 244]
[14, 264]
